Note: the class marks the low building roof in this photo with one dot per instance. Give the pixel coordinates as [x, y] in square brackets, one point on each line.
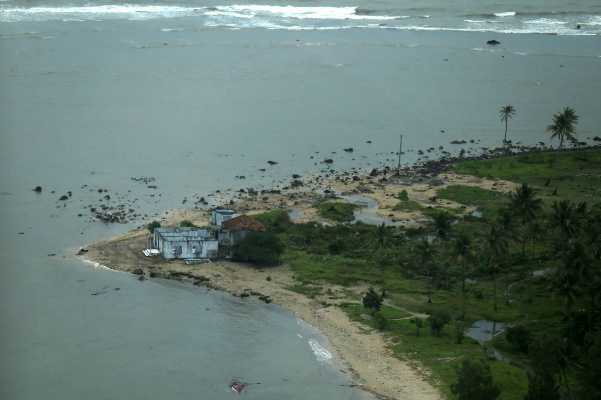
[185, 233]
[224, 211]
[243, 223]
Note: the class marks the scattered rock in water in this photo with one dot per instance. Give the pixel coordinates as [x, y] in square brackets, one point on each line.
[349, 149]
[328, 161]
[493, 42]
[82, 251]
[296, 183]
[270, 162]
[64, 197]
[51, 254]
[458, 142]
[37, 189]
[141, 278]
[296, 176]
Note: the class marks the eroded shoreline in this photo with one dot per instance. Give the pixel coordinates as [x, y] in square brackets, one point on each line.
[365, 355]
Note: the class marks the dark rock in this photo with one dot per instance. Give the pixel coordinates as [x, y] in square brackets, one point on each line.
[458, 142]
[349, 149]
[374, 172]
[296, 183]
[64, 197]
[328, 161]
[266, 299]
[141, 278]
[597, 139]
[37, 189]
[82, 251]
[493, 42]
[272, 162]
[296, 176]
[51, 254]
[138, 271]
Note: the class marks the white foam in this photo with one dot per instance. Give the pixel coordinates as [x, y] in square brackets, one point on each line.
[125, 11]
[505, 14]
[331, 13]
[545, 21]
[320, 352]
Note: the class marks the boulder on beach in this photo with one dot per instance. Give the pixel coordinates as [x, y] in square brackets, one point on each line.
[37, 189]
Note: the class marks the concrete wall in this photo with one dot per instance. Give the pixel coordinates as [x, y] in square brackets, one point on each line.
[187, 249]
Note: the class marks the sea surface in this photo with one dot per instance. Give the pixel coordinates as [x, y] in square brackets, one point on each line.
[196, 95]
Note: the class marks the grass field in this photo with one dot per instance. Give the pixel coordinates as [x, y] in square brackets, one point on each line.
[387, 258]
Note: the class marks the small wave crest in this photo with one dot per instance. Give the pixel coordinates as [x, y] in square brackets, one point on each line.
[505, 14]
[321, 353]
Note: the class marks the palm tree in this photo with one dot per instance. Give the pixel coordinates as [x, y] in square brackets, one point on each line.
[505, 114]
[563, 126]
[526, 206]
[497, 244]
[462, 251]
[426, 258]
[442, 224]
[381, 234]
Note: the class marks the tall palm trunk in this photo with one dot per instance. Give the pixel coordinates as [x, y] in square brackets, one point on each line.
[505, 139]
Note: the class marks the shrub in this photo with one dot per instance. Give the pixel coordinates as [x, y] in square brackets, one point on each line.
[372, 300]
[437, 321]
[403, 196]
[153, 225]
[187, 224]
[474, 382]
[263, 248]
[518, 337]
[380, 321]
[336, 211]
[275, 220]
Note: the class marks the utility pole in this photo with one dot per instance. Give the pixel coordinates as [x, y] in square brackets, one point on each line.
[398, 170]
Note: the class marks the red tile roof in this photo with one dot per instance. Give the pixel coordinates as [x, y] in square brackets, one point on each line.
[243, 223]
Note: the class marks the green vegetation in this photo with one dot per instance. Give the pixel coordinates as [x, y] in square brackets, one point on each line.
[533, 261]
[337, 211]
[574, 175]
[262, 248]
[487, 201]
[405, 204]
[152, 226]
[474, 382]
[275, 220]
[187, 224]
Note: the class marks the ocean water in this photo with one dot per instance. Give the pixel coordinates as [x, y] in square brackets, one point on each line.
[195, 94]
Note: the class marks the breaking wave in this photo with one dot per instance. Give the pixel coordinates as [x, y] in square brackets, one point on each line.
[296, 18]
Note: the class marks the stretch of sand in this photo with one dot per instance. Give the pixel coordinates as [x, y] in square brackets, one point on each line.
[365, 354]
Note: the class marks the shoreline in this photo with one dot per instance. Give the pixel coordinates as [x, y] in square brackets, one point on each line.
[365, 354]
